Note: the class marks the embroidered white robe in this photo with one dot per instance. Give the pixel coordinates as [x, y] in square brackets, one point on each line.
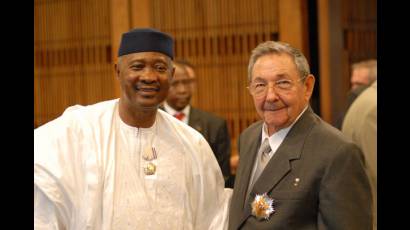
[89, 174]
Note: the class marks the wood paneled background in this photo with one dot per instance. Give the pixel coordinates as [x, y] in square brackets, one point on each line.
[76, 41]
[347, 34]
[217, 37]
[72, 55]
[359, 29]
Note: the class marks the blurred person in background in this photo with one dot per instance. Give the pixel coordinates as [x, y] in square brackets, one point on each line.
[212, 127]
[364, 73]
[360, 125]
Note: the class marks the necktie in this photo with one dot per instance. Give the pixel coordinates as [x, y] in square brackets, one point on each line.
[263, 159]
[179, 115]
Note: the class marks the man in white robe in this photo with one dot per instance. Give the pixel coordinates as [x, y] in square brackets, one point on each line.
[124, 164]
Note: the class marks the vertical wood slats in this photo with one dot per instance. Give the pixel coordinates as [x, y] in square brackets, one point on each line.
[360, 30]
[217, 37]
[74, 48]
[342, 42]
[71, 55]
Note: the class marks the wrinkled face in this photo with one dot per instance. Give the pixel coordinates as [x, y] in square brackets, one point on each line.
[359, 77]
[144, 79]
[179, 93]
[280, 109]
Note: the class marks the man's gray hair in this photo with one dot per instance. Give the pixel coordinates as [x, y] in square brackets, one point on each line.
[271, 47]
[371, 65]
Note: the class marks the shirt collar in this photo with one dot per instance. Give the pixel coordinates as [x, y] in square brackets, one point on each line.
[172, 111]
[135, 130]
[278, 137]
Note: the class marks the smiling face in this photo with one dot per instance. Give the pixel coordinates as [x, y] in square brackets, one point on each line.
[144, 79]
[280, 110]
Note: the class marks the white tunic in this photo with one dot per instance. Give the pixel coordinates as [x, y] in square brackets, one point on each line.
[89, 174]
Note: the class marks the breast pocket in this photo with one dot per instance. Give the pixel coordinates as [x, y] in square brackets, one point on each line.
[291, 205]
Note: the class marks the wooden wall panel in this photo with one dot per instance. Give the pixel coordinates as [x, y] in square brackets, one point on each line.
[347, 34]
[72, 55]
[217, 37]
[290, 23]
[76, 43]
[360, 29]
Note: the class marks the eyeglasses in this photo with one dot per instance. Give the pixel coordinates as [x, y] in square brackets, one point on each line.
[260, 88]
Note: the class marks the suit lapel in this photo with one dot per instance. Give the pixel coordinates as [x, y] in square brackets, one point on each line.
[249, 145]
[251, 148]
[195, 120]
[279, 165]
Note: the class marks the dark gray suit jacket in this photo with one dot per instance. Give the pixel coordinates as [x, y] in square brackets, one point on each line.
[333, 190]
[215, 131]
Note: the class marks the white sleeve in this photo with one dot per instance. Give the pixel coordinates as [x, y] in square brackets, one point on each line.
[58, 177]
[45, 212]
[212, 211]
[221, 218]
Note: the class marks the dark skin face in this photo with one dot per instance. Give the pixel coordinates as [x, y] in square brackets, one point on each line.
[179, 94]
[144, 79]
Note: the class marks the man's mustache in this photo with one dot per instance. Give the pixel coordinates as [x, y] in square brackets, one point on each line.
[272, 106]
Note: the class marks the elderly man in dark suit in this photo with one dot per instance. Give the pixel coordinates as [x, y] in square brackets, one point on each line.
[212, 127]
[296, 171]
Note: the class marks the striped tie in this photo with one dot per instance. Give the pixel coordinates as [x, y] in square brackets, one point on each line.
[263, 160]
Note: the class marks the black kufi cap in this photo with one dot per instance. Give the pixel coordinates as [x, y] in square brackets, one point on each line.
[146, 40]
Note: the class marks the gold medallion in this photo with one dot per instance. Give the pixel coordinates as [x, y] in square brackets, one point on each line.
[150, 169]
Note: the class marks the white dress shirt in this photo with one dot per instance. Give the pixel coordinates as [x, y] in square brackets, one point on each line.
[274, 141]
[172, 111]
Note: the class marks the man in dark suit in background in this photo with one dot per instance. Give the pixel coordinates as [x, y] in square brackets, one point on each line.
[213, 128]
[296, 171]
